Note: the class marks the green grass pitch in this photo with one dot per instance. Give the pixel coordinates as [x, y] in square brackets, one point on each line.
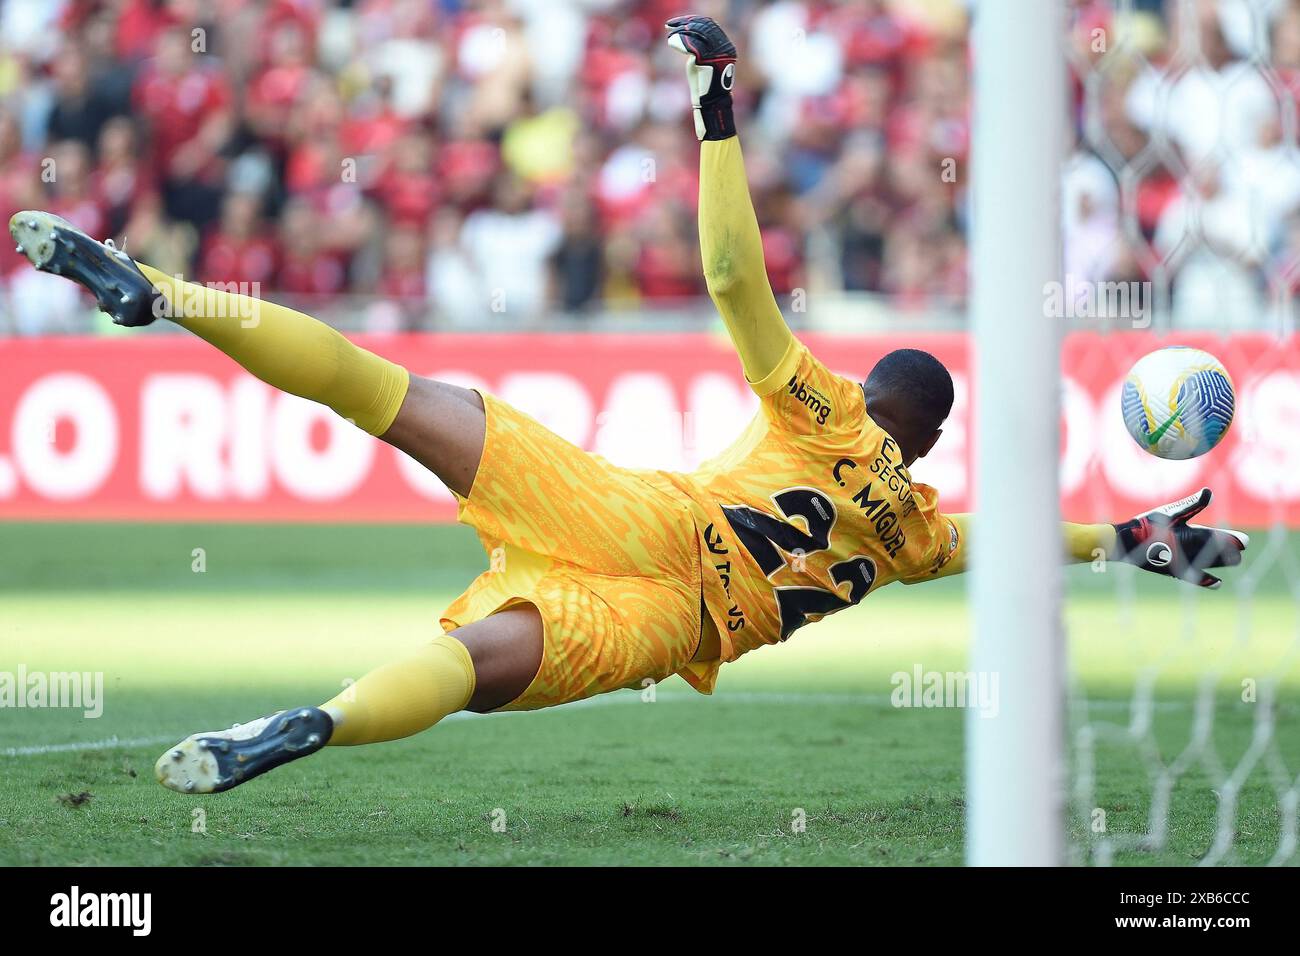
[805, 732]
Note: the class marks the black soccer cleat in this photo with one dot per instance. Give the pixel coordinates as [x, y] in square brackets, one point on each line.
[56, 246]
[216, 761]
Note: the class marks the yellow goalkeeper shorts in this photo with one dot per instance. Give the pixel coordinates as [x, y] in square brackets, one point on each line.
[611, 563]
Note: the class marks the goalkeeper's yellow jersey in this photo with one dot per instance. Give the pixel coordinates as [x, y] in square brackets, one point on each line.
[808, 511]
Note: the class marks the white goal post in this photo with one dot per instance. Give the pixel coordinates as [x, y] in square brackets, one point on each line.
[1015, 761]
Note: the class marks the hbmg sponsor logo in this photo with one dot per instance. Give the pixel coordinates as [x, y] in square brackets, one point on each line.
[816, 403]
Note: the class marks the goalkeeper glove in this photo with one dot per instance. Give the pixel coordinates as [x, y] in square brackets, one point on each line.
[710, 72]
[1162, 541]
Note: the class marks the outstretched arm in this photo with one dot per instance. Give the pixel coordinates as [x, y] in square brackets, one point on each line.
[730, 243]
[1162, 541]
[1082, 542]
[732, 250]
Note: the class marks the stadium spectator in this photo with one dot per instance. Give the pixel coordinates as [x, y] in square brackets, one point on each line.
[79, 111]
[186, 101]
[509, 245]
[122, 181]
[19, 182]
[578, 264]
[308, 265]
[241, 248]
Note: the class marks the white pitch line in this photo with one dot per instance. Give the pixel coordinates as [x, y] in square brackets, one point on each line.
[108, 743]
[618, 697]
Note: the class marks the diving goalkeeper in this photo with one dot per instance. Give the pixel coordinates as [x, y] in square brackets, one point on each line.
[613, 576]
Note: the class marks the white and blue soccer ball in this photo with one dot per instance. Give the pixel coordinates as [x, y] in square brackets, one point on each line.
[1178, 402]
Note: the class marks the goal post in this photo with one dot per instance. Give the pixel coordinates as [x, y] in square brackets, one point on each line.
[1015, 761]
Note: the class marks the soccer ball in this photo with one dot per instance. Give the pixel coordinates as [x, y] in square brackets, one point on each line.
[1178, 402]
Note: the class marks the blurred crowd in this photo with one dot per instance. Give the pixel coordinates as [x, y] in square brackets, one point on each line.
[1185, 176]
[456, 160]
[468, 158]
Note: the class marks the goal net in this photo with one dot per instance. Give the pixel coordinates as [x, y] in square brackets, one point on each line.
[1180, 206]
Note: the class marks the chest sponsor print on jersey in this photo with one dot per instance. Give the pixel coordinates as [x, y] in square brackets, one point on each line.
[886, 499]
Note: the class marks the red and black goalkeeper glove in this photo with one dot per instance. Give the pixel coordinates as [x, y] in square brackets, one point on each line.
[1163, 542]
[710, 72]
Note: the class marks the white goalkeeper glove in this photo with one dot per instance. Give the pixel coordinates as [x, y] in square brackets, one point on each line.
[710, 72]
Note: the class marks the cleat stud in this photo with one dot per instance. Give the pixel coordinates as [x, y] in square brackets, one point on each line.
[19, 250]
[314, 739]
[125, 300]
[189, 786]
[177, 754]
[304, 714]
[31, 223]
[225, 746]
[201, 744]
[54, 236]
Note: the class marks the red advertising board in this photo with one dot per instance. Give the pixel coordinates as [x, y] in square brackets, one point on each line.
[165, 428]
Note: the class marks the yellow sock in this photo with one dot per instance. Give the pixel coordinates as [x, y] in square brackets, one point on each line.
[404, 697]
[290, 350]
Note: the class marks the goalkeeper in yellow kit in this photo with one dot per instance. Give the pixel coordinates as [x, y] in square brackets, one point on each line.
[613, 576]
